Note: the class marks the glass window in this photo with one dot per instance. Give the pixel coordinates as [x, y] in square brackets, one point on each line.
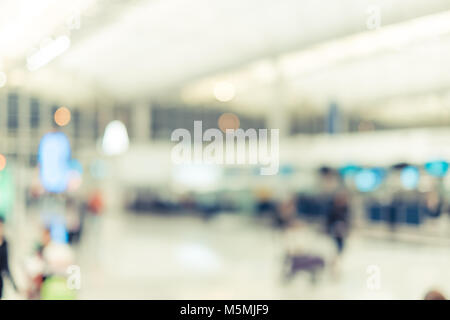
[32, 161]
[13, 111]
[52, 115]
[34, 113]
[76, 123]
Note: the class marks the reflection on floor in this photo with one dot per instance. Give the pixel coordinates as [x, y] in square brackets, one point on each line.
[231, 257]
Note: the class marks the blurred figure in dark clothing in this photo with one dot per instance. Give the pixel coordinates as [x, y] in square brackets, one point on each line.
[4, 265]
[393, 212]
[265, 205]
[338, 220]
[73, 221]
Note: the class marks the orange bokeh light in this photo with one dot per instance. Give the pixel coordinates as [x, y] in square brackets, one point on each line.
[62, 116]
[228, 121]
[2, 162]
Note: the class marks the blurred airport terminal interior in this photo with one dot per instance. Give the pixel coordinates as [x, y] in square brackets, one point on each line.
[338, 186]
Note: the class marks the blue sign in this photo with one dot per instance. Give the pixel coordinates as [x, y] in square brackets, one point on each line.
[54, 161]
[349, 170]
[368, 180]
[437, 168]
[409, 177]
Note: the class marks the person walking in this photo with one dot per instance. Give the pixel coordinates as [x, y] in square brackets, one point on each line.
[4, 265]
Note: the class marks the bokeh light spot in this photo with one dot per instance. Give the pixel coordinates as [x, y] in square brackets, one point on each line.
[98, 169]
[224, 91]
[410, 177]
[437, 168]
[62, 116]
[115, 139]
[228, 121]
[367, 180]
[2, 162]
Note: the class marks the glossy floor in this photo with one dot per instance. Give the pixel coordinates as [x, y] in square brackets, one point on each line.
[229, 257]
[128, 256]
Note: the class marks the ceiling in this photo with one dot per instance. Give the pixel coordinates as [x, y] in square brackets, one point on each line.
[293, 54]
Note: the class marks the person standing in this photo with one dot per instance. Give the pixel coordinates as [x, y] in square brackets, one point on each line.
[4, 265]
[338, 220]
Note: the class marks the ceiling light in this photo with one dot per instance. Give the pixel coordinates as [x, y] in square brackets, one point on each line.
[224, 91]
[115, 139]
[48, 52]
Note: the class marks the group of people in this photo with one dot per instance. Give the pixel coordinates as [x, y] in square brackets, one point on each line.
[45, 269]
[334, 202]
